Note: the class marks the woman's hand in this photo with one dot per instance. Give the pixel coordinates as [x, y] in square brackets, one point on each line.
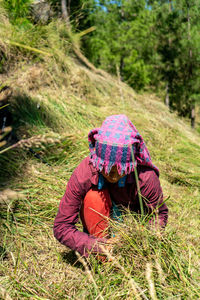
[107, 249]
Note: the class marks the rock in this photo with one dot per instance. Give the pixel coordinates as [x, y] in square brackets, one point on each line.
[41, 11]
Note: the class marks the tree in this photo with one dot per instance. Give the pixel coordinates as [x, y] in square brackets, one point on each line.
[177, 45]
[148, 43]
[121, 40]
[191, 44]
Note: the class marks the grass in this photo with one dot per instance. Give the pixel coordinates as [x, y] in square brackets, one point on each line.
[58, 97]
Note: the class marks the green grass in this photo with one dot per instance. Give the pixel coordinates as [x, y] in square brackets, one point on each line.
[72, 100]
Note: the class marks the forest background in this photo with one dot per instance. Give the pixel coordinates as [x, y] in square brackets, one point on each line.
[64, 67]
[149, 44]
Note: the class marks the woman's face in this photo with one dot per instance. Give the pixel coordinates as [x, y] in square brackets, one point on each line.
[113, 176]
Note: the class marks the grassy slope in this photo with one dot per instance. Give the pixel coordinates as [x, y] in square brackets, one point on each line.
[73, 100]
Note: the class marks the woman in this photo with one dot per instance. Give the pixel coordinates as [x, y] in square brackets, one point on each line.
[107, 179]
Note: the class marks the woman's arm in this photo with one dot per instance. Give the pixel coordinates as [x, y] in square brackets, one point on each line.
[65, 229]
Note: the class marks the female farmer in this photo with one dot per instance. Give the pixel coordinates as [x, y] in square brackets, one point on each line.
[106, 179]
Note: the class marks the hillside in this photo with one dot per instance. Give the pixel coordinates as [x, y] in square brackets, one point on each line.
[55, 102]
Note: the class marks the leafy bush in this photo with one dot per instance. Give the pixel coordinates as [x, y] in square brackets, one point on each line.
[136, 73]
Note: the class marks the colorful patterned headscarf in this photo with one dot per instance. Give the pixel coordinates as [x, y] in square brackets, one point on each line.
[111, 145]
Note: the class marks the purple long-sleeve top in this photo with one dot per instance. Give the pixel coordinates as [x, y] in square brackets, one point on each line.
[83, 178]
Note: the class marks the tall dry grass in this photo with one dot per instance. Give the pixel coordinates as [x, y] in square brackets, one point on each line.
[54, 97]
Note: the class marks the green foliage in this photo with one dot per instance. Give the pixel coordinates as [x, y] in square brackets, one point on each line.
[136, 74]
[178, 43]
[151, 43]
[18, 10]
[116, 43]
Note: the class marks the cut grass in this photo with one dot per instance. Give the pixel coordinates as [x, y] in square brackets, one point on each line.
[33, 265]
[37, 267]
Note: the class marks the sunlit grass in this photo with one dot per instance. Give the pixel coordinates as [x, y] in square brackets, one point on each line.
[35, 266]
[65, 100]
